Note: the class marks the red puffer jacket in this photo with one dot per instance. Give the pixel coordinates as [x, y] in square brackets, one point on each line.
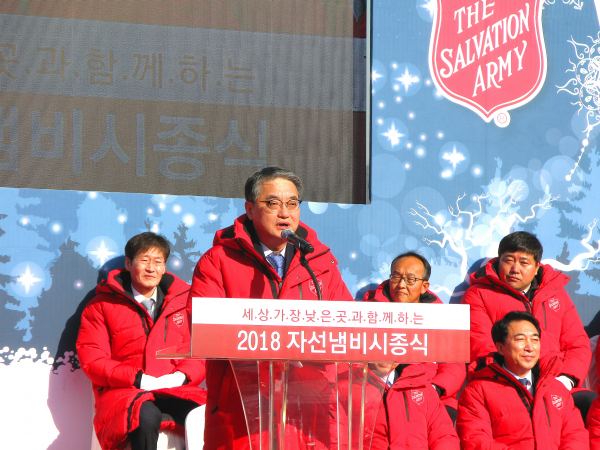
[562, 331]
[447, 376]
[593, 417]
[412, 416]
[117, 342]
[495, 411]
[232, 268]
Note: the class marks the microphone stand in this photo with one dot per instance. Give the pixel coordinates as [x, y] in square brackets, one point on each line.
[304, 263]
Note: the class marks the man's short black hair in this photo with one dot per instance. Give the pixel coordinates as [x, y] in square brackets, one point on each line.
[426, 266]
[521, 241]
[500, 328]
[253, 184]
[145, 241]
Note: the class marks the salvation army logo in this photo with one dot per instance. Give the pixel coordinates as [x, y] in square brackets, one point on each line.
[488, 56]
[554, 304]
[311, 286]
[417, 397]
[557, 401]
[178, 319]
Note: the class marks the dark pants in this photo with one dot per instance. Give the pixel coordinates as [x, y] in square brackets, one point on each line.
[583, 400]
[452, 413]
[145, 436]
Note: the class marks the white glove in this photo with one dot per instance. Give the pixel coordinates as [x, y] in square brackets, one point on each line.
[148, 382]
[566, 381]
[170, 381]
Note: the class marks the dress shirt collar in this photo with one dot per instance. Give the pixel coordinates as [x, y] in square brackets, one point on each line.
[140, 297]
[528, 376]
[267, 251]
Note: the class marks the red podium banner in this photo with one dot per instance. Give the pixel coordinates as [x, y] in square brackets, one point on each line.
[329, 331]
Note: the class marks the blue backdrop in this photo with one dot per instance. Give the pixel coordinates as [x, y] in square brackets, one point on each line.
[444, 183]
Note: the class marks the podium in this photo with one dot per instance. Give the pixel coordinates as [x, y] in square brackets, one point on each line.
[311, 375]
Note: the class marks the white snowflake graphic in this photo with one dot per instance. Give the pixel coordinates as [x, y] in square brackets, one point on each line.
[393, 135]
[585, 85]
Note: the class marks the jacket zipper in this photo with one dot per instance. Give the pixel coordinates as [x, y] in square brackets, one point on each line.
[512, 294]
[406, 406]
[141, 311]
[300, 289]
[544, 309]
[547, 414]
[519, 388]
[272, 282]
[166, 326]
[130, 410]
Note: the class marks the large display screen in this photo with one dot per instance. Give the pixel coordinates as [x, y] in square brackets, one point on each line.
[186, 97]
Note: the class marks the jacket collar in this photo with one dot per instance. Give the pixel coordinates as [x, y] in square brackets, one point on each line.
[120, 280]
[384, 289]
[488, 275]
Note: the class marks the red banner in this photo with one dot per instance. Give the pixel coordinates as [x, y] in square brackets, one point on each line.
[329, 331]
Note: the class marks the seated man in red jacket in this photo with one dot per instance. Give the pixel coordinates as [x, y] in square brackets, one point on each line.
[409, 283]
[593, 417]
[251, 259]
[518, 281]
[516, 402]
[411, 415]
[140, 309]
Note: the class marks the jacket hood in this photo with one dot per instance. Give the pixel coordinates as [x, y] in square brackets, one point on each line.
[382, 294]
[119, 281]
[488, 276]
[241, 236]
[410, 376]
[490, 366]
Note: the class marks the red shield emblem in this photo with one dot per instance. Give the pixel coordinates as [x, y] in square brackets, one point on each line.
[311, 286]
[488, 56]
[417, 397]
[557, 401]
[554, 304]
[178, 319]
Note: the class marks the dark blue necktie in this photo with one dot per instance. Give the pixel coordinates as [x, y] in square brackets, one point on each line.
[276, 260]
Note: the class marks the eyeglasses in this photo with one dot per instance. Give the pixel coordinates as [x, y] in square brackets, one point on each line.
[275, 205]
[410, 281]
[145, 262]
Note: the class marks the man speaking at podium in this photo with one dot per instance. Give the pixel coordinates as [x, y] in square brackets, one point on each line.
[251, 259]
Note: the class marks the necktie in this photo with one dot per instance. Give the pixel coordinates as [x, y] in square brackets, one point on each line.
[524, 382]
[149, 305]
[276, 260]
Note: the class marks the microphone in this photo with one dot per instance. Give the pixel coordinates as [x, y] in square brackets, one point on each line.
[298, 242]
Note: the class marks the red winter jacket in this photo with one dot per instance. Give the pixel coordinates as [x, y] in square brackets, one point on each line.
[449, 377]
[593, 417]
[593, 424]
[117, 342]
[562, 331]
[413, 418]
[233, 268]
[495, 411]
